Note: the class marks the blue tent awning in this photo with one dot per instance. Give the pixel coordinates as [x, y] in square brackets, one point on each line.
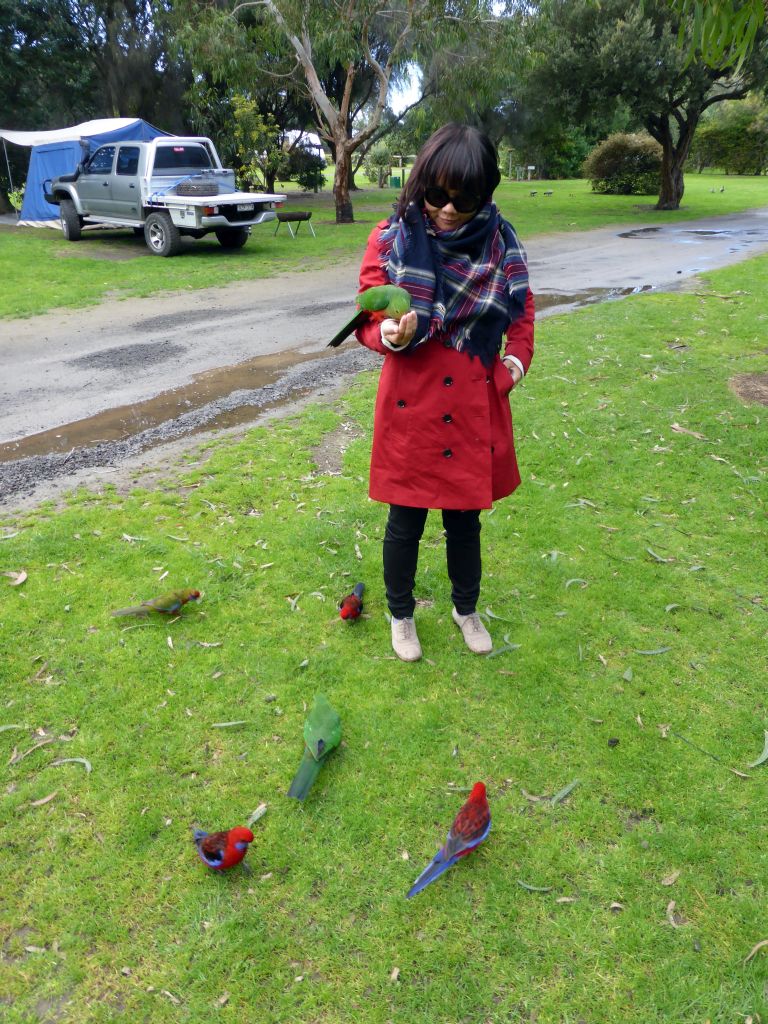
[52, 159]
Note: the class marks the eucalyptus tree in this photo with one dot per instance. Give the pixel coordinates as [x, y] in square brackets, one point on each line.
[345, 55]
[722, 31]
[595, 56]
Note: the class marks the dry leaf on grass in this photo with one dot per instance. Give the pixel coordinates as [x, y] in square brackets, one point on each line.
[763, 757]
[658, 558]
[72, 760]
[689, 433]
[755, 949]
[16, 578]
[674, 917]
[671, 879]
[45, 799]
[565, 792]
[395, 974]
[260, 811]
[534, 888]
[20, 757]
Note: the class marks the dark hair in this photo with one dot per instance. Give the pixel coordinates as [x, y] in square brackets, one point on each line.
[456, 156]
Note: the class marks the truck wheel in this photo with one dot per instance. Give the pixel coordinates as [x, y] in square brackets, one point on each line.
[232, 238]
[71, 223]
[161, 235]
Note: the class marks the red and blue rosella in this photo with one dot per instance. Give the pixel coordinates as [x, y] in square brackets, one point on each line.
[222, 850]
[470, 827]
[351, 606]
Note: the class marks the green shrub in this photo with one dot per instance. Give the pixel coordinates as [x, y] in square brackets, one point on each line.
[377, 163]
[625, 165]
[307, 169]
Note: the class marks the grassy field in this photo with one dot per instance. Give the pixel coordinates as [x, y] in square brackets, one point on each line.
[41, 271]
[630, 569]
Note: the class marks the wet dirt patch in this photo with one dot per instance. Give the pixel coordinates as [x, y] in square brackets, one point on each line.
[127, 357]
[327, 307]
[750, 387]
[103, 252]
[170, 321]
[640, 233]
[53, 1009]
[40, 459]
[328, 456]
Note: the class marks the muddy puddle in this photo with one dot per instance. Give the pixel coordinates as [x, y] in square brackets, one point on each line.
[206, 389]
[547, 301]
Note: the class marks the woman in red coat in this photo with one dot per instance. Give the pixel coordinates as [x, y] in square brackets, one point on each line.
[442, 434]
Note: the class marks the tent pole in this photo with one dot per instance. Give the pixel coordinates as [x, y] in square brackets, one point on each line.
[8, 165]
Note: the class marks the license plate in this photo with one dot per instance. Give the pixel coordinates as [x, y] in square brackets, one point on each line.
[244, 207]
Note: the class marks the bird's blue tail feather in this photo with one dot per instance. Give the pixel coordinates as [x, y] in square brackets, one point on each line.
[432, 871]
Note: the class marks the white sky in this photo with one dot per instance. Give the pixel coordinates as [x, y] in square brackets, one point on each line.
[408, 93]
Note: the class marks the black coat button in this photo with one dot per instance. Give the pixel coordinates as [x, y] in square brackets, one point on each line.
[447, 381]
[447, 418]
[447, 453]
[401, 404]
[447, 344]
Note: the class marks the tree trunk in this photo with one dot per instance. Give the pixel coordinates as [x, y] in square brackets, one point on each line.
[672, 183]
[673, 161]
[344, 214]
[269, 181]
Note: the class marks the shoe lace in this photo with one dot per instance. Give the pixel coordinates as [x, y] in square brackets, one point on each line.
[473, 620]
[405, 630]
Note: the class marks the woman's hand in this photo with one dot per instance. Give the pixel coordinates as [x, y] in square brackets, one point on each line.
[514, 371]
[398, 333]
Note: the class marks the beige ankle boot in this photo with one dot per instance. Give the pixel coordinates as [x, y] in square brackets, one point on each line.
[476, 636]
[405, 640]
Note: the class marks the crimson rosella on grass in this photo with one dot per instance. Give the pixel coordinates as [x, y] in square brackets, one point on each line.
[222, 850]
[382, 302]
[322, 734]
[166, 604]
[351, 605]
[470, 827]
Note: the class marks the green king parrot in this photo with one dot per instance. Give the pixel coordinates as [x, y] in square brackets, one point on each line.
[385, 301]
[322, 733]
[166, 604]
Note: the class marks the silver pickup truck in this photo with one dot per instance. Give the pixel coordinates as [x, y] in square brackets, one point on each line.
[163, 189]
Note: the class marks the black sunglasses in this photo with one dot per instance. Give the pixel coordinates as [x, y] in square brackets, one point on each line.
[462, 201]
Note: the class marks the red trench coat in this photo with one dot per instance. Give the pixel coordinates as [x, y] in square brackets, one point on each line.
[442, 432]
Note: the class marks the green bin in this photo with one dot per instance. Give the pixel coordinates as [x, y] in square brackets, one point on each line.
[394, 182]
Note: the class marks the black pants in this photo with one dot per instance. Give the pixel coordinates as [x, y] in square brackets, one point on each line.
[401, 554]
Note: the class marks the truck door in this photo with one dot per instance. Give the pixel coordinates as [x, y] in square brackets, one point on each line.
[126, 194]
[95, 182]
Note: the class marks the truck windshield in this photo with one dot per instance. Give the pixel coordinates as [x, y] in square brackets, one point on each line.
[170, 160]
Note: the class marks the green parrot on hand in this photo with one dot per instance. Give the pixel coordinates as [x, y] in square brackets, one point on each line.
[385, 301]
[322, 733]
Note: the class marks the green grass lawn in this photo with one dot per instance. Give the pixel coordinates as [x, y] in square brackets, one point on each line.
[631, 570]
[41, 271]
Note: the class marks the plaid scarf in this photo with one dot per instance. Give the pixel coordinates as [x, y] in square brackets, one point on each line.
[466, 285]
